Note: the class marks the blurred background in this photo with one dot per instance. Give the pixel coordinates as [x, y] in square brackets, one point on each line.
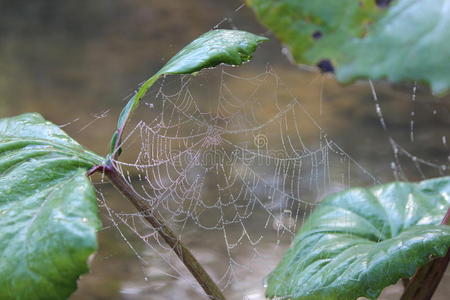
[76, 61]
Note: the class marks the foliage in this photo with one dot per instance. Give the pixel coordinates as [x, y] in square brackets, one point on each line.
[48, 211]
[362, 240]
[406, 40]
[354, 244]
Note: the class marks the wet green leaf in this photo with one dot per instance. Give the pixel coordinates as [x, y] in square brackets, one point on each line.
[48, 210]
[232, 47]
[361, 240]
[214, 47]
[405, 41]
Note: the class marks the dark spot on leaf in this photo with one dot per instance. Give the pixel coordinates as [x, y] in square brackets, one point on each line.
[325, 66]
[383, 3]
[317, 35]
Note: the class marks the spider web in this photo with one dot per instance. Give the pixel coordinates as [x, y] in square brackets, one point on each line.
[234, 164]
[234, 160]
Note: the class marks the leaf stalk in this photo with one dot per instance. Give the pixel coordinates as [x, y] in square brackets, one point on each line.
[426, 280]
[191, 263]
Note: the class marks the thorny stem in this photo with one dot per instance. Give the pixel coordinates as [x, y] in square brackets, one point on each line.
[424, 283]
[191, 263]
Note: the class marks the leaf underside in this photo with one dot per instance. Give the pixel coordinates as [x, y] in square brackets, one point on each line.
[361, 240]
[48, 210]
[408, 40]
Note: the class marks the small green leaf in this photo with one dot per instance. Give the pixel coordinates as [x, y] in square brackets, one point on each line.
[48, 210]
[214, 47]
[361, 39]
[232, 47]
[361, 240]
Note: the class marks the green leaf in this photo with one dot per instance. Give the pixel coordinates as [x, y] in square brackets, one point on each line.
[405, 41]
[232, 47]
[361, 240]
[48, 211]
[214, 47]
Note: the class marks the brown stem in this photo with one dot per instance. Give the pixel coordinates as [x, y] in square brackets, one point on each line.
[424, 283]
[196, 269]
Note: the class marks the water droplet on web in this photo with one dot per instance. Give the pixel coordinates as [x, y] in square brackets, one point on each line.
[265, 284]
[378, 108]
[84, 220]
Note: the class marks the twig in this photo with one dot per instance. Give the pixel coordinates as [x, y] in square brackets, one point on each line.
[196, 269]
[424, 283]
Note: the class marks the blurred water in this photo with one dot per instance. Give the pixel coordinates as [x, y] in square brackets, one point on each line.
[75, 62]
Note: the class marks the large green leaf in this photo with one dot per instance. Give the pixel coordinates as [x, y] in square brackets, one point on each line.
[48, 211]
[406, 41]
[214, 47]
[361, 240]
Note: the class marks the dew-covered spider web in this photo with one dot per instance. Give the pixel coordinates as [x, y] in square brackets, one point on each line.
[233, 162]
[232, 159]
